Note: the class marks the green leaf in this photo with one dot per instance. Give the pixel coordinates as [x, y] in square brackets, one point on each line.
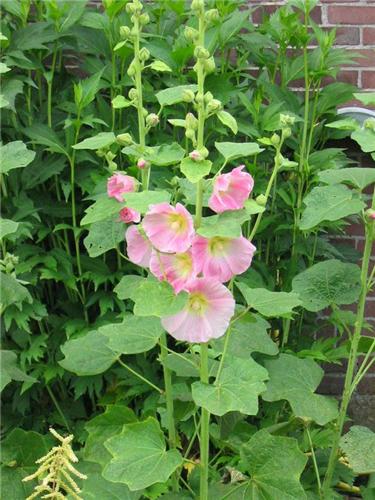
[154, 298]
[187, 365]
[252, 207]
[162, 156]
[10, 370]
[140, 458]
[228, 120]
[134, 335]
[176, 122]
[268, 303]
[142, 200]
[45, 136]
[120, 102]
[247, 335]
[7, 226]
[12, 292]
[159, 66]
[359, 447]
[14, 155]
[101, 428]
[368, 98]
[101, 140]
[125, 288]
[96, 487]
[194, 171]
[88, 355]
[295, 380]
[233, 150]
[358, 177]
[226, 225]
[103, 236]
[344, 124]
[365, 137]
[327, 283]
[275, 465]
[102, 209]
[90, 87]
[168, 97]
[237, 389]
[329, 203]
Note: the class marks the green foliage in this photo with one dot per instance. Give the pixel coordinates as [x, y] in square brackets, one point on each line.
[268, 303]
[14, 155]
[358, 446]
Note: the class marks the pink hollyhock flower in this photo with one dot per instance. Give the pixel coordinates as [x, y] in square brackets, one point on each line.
[206, 315]
[129, 215]
[170, 229]
[222, 258]
[138, 247]
[178, 269]
[119, 184]
[231, 190]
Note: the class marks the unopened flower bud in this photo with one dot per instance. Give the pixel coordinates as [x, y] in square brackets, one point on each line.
[124, 32]
[199, 98]
[188, 95]
[191, 121]
[212, 15]
[275, 140]
[370, 214]
[144, 54]
[152, 120]
[204, 152]
[287, 132]
[261, 200]
[369, 124]
[133, 94]
[190, 33]
[130, 8]
[131, 69]
[144, 19]
[209, 65]
[144, 112]
[124, 139]
[208, 97]
[195, 155]
[286, 120]
[197, 4]
[201, 53]
[214, 105]
[142, 163]
[190, 134]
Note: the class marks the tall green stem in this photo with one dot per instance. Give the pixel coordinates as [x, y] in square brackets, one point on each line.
[349, 377]
[50, 87]
[205, 429]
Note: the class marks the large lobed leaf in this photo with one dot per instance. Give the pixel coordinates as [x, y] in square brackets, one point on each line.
[14, 155]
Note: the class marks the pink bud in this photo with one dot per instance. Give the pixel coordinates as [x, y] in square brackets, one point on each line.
[195, 155]
[129, 215]
[142, 163]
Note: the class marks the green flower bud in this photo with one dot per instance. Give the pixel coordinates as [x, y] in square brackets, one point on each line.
[287, 132]
[191, 121]
[131, 70]
[214, 105]
[370, 214]
[145, 112]
[100, 153]
[188, 95]
[199, 98]
[144, 19]
[369, 124]
[190, 134]
[197, 5]
[208, 97]
[133, 94]
[130, 8]
[212, 15]
[191, 34]
[124, 32]
[275, 140]
[152, 120]
[261, 200]
[195, 155]
[201, 53]
[209, 65]
[286, 120]
[109, 156]
[204, 152]
[144, 54]
[124, 139]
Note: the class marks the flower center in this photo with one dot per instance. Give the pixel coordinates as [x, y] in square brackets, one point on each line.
[178, 223]
[197, 303]
[217, 246]
[184, 264]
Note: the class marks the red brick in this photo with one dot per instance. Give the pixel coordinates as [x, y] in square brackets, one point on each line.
[368, 36]
[368, 80]
[367, 385]
[366, 57]
[347, 35]
[349, 76]
[351, 15]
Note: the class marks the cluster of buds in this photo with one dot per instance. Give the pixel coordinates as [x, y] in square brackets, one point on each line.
[286, 122]
[8, 263]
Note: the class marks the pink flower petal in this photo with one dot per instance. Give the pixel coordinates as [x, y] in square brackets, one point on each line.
[119, 184]
[138, 247]
[129, 215]
[177, 269]
[231, 190]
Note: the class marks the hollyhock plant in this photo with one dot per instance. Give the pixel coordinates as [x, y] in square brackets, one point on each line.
[119, 184]
[138, 247]
[178, 269]
[231, 190]
[129, 215]
[207, 314]
[222, 258]
[170, 229]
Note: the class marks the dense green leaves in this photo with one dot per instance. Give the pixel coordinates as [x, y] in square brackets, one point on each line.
[328, 283]
[359, 448]
[296, 380]
[140, 458]
[12, 292]
[10, 370]
[14, 155]
[269, 303]
[329, 203]
[7, 226]
[236, 389]
[234, 150]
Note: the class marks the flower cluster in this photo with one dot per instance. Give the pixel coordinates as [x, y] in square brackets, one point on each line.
[167, 243]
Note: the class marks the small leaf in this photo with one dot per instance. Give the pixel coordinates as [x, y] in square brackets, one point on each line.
[167, 97]
[226, 225]
[125, 288]
[358, 177]
[328, 283]
[153, 298]
[120, 102]
[234, 150]
[163, 155]
[12, 292]
[134, 335]
[88, 355]
[228, 120]
[194, 171]
[160, 66]
[103, 236]
[344, 124]
[140, 458]
[365, 137]
[176, 122]
[10, 370]
[14, 155]
[295, 380]
[101, 140]
[329, 203]
[142, 200]
[359, 447]
[101, 210]
[268, 303]
[90, 87]
[7, 226]
[44, 135]
[237, 389]
[368, 98]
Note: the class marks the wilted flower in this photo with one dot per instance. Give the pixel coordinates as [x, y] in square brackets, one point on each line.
[222, 258]
[206, 315]
[119, 184]
[138, 247]
[231, 190]
[178, 269]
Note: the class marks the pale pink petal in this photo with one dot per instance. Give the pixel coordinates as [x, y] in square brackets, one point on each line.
[170, 229]
[119, 184]
[177, 269]
[207, 314]
[231, 190]
[138, 247]
[129, 215]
